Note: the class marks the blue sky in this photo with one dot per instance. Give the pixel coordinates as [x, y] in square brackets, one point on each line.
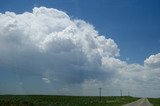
[52, 47]
[133, 24]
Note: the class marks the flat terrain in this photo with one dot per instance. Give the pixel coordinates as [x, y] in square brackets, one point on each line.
[42, 100]
[46, 100]
[154, 101]
[140, 102]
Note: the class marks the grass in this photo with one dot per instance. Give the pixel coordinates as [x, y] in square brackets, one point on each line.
[46, 100]
[154, 101]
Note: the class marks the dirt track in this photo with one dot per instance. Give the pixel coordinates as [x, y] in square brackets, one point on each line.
[140, 102]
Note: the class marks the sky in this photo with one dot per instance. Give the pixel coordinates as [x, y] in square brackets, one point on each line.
[73, 47]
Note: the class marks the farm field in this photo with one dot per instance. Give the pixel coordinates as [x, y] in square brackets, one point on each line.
[48, 100]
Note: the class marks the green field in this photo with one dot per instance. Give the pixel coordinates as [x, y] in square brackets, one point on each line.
[154, 101]
[42, 100]
[46, 100]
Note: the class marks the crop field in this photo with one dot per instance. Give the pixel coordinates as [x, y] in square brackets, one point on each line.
[46, 100]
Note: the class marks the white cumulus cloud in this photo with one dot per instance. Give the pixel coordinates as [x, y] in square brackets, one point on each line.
[46, 45]
[153, 61]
